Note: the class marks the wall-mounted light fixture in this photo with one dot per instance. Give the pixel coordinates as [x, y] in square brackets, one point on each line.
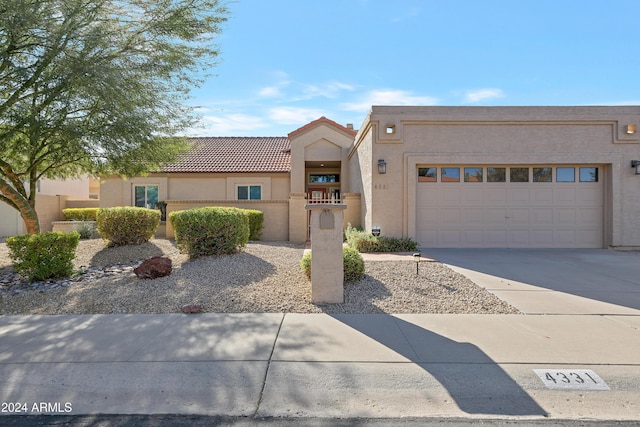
[636, 164]
[375, 230]
[631, 129]
[382, 167]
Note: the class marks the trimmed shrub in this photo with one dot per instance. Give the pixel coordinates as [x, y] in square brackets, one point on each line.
[127, 225]
[305, 264]
[256, 221]
[210, 230]
[45, 255]
[353, 265]
[80, 214]
[362, 241]
[352, 262]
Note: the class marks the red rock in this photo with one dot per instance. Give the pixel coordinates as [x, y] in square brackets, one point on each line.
[153, 268]
[192, 308]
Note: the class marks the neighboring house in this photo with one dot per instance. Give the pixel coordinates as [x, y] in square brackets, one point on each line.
[51, 197]
[445, 176]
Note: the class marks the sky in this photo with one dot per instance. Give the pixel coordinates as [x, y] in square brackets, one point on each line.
[285, 63]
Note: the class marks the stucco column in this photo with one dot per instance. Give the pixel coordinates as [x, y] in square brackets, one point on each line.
[327, 270]
[297, 217]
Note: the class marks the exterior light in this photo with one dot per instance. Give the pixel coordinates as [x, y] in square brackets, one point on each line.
[382, 167]
[416, 258]
[636, 164]
[375, 230]
[631, 129]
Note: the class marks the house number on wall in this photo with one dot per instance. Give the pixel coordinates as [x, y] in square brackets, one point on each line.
[571, 379]
[380, 186]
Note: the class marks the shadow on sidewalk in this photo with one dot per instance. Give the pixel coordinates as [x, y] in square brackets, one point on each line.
[473, 380]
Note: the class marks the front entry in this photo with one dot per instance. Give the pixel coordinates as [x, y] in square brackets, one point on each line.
[316, 194]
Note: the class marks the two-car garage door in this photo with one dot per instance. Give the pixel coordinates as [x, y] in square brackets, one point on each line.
[537, 206]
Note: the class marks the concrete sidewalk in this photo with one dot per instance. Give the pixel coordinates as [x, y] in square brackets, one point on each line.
[318, 365]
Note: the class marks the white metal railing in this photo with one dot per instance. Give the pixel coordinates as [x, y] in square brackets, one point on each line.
[328, 199]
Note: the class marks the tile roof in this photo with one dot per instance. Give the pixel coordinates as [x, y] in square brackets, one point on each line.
[235, 154]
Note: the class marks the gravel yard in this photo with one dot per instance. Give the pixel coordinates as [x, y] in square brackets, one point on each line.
[265, 277]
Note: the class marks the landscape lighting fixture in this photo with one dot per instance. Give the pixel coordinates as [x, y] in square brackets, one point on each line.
[416, 258]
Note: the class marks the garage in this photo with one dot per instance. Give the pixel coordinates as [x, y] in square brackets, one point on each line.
[510, 206]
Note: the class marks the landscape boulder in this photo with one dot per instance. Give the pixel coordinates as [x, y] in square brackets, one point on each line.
[192, 309]
[153, 268]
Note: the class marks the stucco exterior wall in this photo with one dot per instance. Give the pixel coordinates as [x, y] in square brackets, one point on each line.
[361, 173]
[118, 192]
[501, 136]
[276, 215]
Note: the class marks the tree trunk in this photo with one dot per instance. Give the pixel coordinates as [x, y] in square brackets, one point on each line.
[26, 208]
[30, 218]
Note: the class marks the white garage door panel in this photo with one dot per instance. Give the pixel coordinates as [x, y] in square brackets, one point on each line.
[505, 214]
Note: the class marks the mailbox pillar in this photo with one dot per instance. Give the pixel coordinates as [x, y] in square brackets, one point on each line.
[327, 270]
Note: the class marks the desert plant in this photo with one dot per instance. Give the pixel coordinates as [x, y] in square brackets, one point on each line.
[127, 225]
[256, 221]
[362, 241]
[210, 230]
[80, 214]
[44, 255]
[352, 262]
[85, 230]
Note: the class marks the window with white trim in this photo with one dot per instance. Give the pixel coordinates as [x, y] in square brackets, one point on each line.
[249, 192]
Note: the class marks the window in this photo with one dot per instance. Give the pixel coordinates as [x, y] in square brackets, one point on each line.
[427, 175]
[316, 178]
[496, 174]
[450, 174]
[249, 192]
[472, 174]
[588, 174]
[565, 174]
[541, 174]
[145, 196]
[519, 174]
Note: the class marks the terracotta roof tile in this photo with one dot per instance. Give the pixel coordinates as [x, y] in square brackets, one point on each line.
[235, 154]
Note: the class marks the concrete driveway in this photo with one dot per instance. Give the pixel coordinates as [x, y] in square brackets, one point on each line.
[553, 281]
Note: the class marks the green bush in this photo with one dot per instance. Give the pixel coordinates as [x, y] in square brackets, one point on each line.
[127, 225]
[210, 230]
[352, 263]
[45, 255]
[256, 221]
[80, 214]
[366, 242]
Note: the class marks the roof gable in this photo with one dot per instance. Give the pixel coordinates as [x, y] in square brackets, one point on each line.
[234, 154]
[318, 122]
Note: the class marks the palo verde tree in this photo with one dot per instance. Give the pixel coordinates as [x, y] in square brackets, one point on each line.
[97, 87]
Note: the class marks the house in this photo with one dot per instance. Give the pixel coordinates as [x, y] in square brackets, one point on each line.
[51, 197]
[530, 177]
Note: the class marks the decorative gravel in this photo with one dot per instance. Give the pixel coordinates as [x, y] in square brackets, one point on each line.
[263, 278]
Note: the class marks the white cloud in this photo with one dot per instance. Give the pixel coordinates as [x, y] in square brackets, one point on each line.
[483, 94]
[388, 97]
[269, 92]
[328, 90]
[293, 115]
[229, 124]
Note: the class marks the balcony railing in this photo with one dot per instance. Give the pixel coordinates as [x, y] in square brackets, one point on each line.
[328, 199]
